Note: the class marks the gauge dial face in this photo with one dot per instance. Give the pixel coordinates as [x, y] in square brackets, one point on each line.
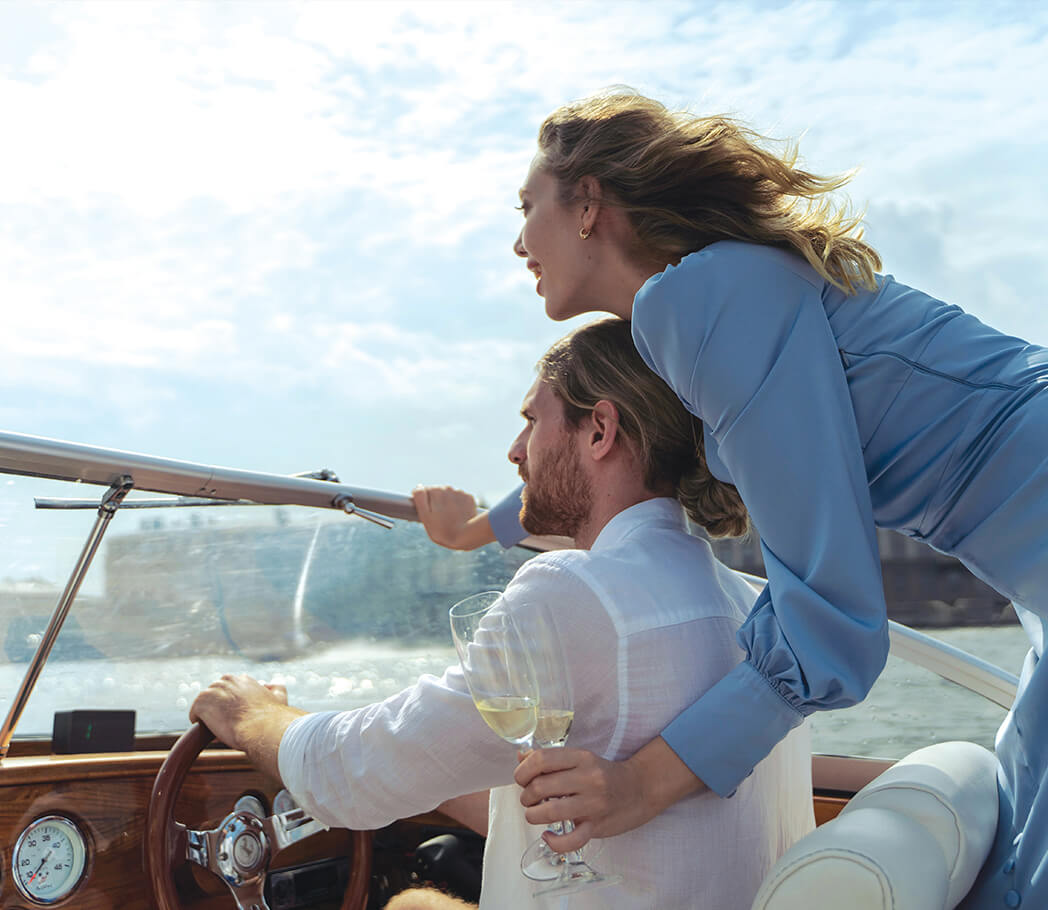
[252, 804]
[283, 802]
[49, 859]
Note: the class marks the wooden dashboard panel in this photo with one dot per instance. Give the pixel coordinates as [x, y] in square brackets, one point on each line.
[828, 808]
[107, 796]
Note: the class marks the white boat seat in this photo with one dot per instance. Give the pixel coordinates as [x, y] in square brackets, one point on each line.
[915, 838]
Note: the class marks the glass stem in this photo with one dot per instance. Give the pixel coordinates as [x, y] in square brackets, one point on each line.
[574, 856]
[560, 827]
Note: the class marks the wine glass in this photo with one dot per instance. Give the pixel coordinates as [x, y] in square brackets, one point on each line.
[507, 659]
[541, 862]
[566, 872]
[497, 668]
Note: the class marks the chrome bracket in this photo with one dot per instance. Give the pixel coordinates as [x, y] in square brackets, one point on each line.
[196, 848]
[290, 827]
[345, 502]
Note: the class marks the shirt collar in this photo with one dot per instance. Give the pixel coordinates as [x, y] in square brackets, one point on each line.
[661, 511]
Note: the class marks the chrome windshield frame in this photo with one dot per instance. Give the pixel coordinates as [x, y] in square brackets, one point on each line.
[34, 456]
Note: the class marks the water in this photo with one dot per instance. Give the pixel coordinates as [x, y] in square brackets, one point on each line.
[909, 707]
[349, 675]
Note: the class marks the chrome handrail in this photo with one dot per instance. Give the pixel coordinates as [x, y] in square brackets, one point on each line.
[36, 456]
[946, 661]
[954, 664]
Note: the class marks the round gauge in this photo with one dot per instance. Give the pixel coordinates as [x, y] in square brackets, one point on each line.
[252, 804]
[283, 802]
[49, 859]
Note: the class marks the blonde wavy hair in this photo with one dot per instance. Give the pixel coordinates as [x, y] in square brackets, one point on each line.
[600, 362]
[687, 181]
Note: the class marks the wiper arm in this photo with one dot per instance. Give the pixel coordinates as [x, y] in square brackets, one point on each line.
[344, 502]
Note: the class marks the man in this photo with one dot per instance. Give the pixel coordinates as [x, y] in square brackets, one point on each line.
[609, 457]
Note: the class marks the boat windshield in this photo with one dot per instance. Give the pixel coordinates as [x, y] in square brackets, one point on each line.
[341, 611]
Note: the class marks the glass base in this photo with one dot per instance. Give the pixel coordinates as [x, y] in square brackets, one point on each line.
[541, 863]
[577, 877]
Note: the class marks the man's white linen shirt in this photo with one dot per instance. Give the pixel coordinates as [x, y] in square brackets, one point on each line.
[647, 619]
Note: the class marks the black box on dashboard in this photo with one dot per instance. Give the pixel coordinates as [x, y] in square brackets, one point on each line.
[93, 731]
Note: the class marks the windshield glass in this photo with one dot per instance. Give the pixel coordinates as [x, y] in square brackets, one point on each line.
[341, 611]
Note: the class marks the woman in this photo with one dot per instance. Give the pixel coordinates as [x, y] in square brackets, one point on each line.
[835, 400]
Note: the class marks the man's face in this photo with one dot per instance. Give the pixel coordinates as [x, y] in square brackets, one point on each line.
[558, 493]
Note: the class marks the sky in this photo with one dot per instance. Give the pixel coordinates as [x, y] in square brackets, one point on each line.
[277, 236]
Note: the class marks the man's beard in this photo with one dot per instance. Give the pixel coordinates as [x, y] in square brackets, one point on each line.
[557, 500]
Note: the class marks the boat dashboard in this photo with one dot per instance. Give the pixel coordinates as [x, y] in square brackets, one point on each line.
[74, 833]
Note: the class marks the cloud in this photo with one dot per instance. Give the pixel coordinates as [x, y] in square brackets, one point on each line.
[224, 205]
[381, 361]
[1003, 286]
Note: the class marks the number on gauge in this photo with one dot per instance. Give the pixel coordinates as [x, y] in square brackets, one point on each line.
[49, 859]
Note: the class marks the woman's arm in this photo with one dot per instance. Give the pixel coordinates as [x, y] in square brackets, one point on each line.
[608, 797]
[740, 333]
[451, 519]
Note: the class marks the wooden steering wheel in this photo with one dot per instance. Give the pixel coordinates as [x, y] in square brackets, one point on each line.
[239, 850]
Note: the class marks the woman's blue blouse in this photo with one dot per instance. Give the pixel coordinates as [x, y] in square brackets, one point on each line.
[832, 413]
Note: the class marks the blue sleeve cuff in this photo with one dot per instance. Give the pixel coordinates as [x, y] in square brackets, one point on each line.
[504, 518]
[732, 727]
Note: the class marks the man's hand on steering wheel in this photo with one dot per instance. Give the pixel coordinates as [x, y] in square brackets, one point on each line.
[246, 715]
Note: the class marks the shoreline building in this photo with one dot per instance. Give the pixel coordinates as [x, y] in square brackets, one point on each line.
[262, 589]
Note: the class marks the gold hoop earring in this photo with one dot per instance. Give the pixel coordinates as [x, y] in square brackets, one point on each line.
[584, 234]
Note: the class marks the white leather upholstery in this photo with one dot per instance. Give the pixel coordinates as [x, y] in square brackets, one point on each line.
[912, 839]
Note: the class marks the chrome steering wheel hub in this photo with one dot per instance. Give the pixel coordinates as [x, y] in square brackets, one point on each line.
[241, 849]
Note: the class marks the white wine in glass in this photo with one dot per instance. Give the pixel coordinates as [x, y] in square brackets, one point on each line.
[513, 717]
[497, 667]
[552, 726]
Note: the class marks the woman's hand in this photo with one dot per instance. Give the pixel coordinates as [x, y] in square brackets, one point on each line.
[602, 797]
[451, 519]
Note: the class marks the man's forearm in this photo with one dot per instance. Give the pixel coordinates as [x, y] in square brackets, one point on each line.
[471, 809]
[258, 735]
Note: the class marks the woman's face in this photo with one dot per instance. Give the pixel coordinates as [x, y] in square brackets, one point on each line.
[551, 244]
